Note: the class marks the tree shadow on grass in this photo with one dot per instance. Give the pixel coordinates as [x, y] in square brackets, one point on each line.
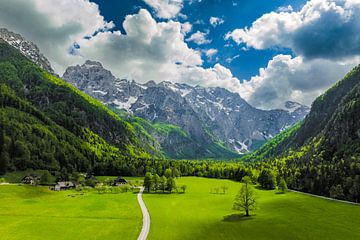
[236, 217]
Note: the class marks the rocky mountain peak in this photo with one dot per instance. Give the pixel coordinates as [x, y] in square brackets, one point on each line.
[27, 48]
[89, 64]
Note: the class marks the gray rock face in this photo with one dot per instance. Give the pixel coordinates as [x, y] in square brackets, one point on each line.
[206, 114]
[29, 49]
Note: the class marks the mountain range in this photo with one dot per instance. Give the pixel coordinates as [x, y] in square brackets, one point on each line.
[205, 114]
[177, 120]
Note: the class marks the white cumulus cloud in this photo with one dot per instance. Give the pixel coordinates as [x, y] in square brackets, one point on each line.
[199, 38]
[324, 36]
[321, 29]
[166, 8]
[293, 78]
[149, 50]
[214, 21]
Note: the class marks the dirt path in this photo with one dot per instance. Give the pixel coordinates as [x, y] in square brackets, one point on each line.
[146, 217]
[326, 198]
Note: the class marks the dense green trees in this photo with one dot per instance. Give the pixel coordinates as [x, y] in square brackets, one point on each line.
[148, 181]
[267, 179]
[48, 124]
[153, 182]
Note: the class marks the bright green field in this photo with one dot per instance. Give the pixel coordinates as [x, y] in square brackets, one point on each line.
[198, 214]
[28, 212]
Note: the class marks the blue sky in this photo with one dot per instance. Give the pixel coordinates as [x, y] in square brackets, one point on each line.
[235, 13]
[268, 51]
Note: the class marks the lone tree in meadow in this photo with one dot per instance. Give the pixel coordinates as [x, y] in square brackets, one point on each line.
[245, 200]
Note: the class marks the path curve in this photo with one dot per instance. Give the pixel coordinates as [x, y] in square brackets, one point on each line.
[326, 198]
[146, 217]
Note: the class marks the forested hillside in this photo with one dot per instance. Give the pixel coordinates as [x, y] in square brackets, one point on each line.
[45, 123]
[322, 154]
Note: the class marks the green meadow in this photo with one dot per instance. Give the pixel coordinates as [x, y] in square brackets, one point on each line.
[28, 212]
[200, 214]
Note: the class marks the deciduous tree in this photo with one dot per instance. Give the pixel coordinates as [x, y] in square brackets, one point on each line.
[245, 200]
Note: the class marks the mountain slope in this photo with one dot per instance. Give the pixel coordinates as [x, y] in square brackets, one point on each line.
[322, 154]
[208, 115]
[29, 49]
[52, 125]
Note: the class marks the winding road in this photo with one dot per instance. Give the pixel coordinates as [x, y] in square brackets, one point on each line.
[146, 217]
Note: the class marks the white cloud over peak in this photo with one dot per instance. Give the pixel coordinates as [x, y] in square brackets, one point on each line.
[149, 50]
[199, 38]
[53, 27]
[324, 35]
[166, 8]
[293, 78]
[214, 21]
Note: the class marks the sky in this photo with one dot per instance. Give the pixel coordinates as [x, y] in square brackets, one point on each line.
[267, 51]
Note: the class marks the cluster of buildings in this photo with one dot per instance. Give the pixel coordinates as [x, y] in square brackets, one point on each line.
[65, 185]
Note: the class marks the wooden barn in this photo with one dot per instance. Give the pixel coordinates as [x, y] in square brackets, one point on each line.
[119, 181]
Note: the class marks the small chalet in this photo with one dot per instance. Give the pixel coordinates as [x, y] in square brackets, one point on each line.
[119, 181]
[64, 186]
[30, 179]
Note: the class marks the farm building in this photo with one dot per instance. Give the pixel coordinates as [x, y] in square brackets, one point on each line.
[119, 181]
[30, 179]
[64, 186]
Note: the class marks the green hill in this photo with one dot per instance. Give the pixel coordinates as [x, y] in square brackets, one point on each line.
[321, 155]
[46, 123]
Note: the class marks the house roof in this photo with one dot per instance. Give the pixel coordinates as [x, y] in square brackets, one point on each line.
[66, 184]
[120, 179]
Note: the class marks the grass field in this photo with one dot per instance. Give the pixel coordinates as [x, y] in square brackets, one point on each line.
[37, 213]
[28, 212]
[198, 214]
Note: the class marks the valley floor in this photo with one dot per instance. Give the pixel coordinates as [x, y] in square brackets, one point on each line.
[199, 214]
[36, 213]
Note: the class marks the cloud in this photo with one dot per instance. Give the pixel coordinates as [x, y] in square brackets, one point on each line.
[217, 76]
[186, 28]
[210, 53]
[147, 50]
[166, 8]
[230, 59]
[321, 29]
[214, 21]
[199, 38]
[324, 36]
[287, 8]
[53, 27]
[293, 78]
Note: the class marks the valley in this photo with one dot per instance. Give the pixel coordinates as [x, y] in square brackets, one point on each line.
[176, 119]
